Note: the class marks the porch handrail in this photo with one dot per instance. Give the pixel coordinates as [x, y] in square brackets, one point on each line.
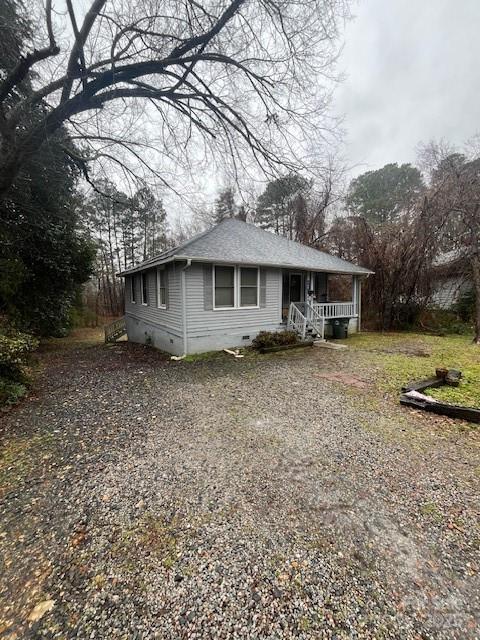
[115, 330]
[316, 319]
[336, 309]
[296, 320]
[303, 314]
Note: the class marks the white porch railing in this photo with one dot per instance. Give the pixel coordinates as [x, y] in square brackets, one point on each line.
[296, 320]
[303, 316]
[329, 310]
[313, 319]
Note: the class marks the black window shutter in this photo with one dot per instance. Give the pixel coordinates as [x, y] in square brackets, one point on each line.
[208, 287]
[263, 287]
[166, 275]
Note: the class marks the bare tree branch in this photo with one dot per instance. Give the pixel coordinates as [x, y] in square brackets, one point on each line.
[238, 78]
[21, 70]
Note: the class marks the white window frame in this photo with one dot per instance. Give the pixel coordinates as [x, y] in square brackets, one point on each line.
[247, 306]
[236, 286]
[161, 270]
[143, 275]
[133, 297]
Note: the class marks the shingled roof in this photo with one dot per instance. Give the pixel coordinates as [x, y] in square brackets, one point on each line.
[235, 241]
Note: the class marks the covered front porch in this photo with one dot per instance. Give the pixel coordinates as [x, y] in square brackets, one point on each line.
[307, 306]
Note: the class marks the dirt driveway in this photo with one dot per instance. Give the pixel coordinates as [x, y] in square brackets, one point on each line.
[273, 497]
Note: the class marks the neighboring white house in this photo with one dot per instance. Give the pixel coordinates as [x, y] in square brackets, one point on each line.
[223, 286]
[450, 280]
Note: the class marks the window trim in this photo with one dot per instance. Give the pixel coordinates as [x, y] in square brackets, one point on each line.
[133, 297]
[232, 266]
[237, 286]
[248, 306]
[159, 287]
[143, 275]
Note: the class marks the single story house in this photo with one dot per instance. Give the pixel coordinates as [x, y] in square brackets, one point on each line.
[222, 287]
[450, 279]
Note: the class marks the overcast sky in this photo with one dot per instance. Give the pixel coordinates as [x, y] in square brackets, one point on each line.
[413, 74]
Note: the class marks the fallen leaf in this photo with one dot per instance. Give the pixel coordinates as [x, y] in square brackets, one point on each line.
[41, 609]
[78, 538]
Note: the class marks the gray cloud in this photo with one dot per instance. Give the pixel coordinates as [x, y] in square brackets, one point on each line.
[413, 74]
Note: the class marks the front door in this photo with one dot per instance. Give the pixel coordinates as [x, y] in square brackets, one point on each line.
[292, 290]
[296, 287]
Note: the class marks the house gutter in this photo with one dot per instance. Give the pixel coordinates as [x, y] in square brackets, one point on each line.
[184, 305]
[363, 271]
[181, 258]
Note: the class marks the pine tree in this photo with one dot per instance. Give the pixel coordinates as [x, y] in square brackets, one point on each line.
[225, 205]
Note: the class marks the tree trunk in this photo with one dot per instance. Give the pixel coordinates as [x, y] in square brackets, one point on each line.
[476, 285]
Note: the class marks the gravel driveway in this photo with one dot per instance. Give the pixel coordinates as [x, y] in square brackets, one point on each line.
[224, 498]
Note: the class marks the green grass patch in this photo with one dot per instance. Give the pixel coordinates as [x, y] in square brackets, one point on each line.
[430, 510]
[78, 338]
[207, 355]
[11, 392]
[402, 357]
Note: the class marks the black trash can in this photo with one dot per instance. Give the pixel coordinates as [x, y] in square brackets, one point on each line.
[340, 328]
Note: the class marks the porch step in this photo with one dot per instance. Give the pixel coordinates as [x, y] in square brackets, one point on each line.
[303, 319]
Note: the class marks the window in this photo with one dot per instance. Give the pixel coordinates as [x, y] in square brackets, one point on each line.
[144, 288]
[161, 288]
[235, 287]
[224, 287]
[248, 287]
[133, 299]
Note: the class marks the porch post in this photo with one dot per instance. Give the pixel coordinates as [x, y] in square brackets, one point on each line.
[359, 304]
[357, 298]
[308, 286]
[354, 293]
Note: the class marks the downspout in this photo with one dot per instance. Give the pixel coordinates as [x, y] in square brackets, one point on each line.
[184, 305]
[359, 303]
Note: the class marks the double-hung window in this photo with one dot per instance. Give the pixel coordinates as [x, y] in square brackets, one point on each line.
[144, 288]
[248, 286]
[133, 298]
[235, 287]
[224, 287]
[161, 288]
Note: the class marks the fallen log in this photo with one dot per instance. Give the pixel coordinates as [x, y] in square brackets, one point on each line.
[441, 408]
[443, 376]
[411, 396]
[420, 385]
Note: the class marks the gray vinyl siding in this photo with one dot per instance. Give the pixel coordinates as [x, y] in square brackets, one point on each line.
[202, 322]
[206, 329]
[169, 318]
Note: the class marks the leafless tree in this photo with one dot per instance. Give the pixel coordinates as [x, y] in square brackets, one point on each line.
[455, 203]
[313, 216]
[236, 75]
[399, 253]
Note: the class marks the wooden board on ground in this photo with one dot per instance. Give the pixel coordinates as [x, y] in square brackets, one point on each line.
[420, 385]
[329, 345]
[451, 410]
